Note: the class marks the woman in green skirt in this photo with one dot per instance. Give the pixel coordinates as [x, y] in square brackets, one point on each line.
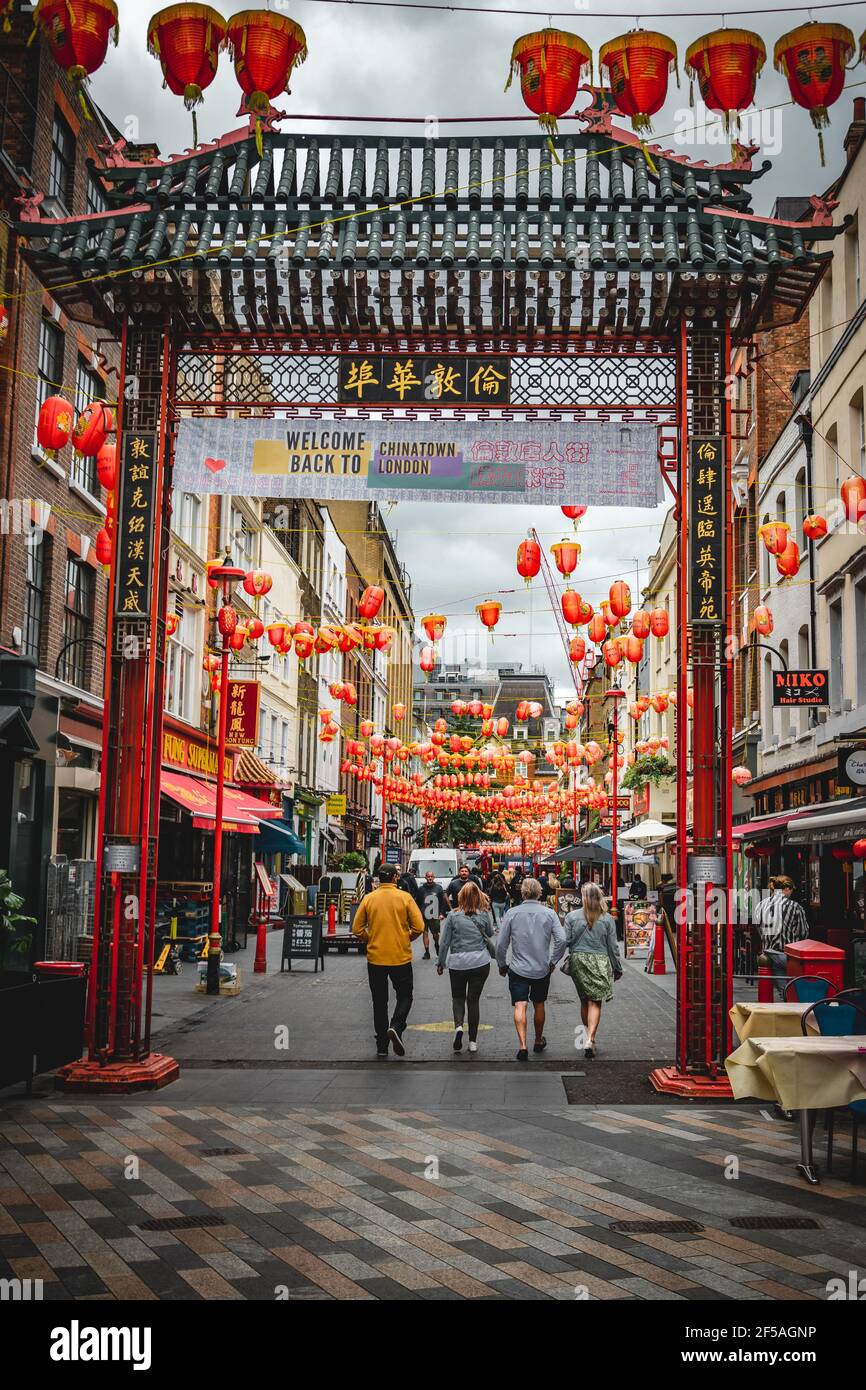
[593, 960]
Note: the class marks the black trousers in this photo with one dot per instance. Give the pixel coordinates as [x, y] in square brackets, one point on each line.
[400, 977]
[466, 987]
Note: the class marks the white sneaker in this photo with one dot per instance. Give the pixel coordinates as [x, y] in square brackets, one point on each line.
[473, 1047]
[580, 1036]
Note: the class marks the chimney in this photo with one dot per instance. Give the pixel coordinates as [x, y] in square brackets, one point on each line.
[856, 130]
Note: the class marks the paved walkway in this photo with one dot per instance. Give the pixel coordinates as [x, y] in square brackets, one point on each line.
[302, 1017]
[157, 1198]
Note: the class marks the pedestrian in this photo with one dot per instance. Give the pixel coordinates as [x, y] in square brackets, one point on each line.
[594, 962]
[537, 941]
[466, 949]
[514, 888]
[668, 896]
[389, 920]
[497, 892]
[545, 885]
[462, 877]
[409, 883]
[637, 892]
[781, 920]
[434, 906]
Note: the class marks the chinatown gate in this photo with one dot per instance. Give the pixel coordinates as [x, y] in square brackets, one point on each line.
[569, 322]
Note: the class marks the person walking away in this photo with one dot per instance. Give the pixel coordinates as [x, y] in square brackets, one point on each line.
[466, 949]
[500, 899]
[434, 906]
[462, 877]
[594, 962]
[409, 883]
[668, 897]
[514, 888]
[781, 920]
[537, 941]
[389, 920]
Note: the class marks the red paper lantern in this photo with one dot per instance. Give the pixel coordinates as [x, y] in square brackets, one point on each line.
[278, 634]
[350, 638]
[256, 583]
[236, 639]
[502, 728]
[56, 418]
[521, 714]
[326, 640]
[566, 555]
[788, 563]
[78, 32]
[399, 712]
[172, 623]
[427, 659]
[371, 601]
[813, 58]
[858, 849]
[574, 512]
[814, 527]
[638, 64]
[489, 613]
[551, 64]
[211, 663]
[350, 694]
[726, 65]
[571, 607]
[106, 465]
[227, 620]
[255, 629]
[762, 619]
[186, 39]
[842, 853]
[640, 623]
[775, 535]
[528, 560]
[103, 547]
[853, 494]
[612, 654]
[632, 649]
[620, 599]
[434, 625]
[459, 708]
[265, 48]
[741, 775]
[597, 629]
[660, 623]
[304, 642]
[475, 708]
[91, 427]
[365, 728]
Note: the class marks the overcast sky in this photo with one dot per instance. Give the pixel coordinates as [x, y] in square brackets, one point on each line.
[390, 62]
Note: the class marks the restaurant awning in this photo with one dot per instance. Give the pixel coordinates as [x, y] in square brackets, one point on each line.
[241, 813]
[844, 820]
[279, 838]
[762, 825]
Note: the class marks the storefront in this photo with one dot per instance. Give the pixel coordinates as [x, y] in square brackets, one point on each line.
[837, 882]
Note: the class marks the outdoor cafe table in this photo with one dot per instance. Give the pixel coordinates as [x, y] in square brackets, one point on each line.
[775, 1020]
[800, 1073]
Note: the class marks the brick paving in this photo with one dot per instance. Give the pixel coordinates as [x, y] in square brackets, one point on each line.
[410, 1201]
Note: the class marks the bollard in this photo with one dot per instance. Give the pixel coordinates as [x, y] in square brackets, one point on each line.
[260, 964]
[332, 920]
[765, 980]
[214, 956]
[659, 966]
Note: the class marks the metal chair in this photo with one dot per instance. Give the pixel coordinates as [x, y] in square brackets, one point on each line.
[806, 989]
[839, 1017]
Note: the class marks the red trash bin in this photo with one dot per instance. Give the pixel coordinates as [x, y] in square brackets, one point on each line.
[816, 958]
[61, 969]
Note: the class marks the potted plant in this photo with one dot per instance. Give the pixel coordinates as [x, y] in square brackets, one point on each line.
[14, 940]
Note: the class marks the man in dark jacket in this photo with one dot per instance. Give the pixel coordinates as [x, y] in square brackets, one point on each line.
[434, 906]
[409, 884]
[463, 877]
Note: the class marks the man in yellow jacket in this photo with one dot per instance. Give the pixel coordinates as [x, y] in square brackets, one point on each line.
[389, 920]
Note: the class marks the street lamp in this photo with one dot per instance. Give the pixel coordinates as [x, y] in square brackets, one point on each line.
[614, 693]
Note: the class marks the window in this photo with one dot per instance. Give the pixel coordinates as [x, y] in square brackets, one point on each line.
[34, 592]
[88, 387]
[781, 508]
[186, 516]
[801, 501]
[243, 540]
[77, 621]
[61, 169]
[852, 269]
[50, 363]
[837, 673]
[95, 202]
[181, 671]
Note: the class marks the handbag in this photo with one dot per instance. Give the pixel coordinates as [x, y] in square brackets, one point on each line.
[565, 965]
[488, 944]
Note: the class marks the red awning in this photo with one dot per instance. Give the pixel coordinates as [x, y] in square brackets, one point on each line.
[199, 800]
[248, 807]
[754, 829]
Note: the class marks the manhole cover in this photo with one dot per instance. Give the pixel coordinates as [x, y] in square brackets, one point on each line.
[774, 1223]
[659, 1228]
[180, 1223]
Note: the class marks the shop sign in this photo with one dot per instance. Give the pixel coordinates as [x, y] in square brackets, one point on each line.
[335, 805]
[622, 803]
[852, 767]
[135, 527]
[707, 498]
[398, 379]
[195, 757]
[707, 868]
[242, 716]
[641, 800]
[801, 688]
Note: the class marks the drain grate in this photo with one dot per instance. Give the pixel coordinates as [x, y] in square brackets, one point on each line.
[220, 1153]
[774, 1223]
[659, 1228]
[180, 1223]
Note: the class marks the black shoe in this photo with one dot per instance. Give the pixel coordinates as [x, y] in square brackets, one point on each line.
[396, 1042]
[381, 1052]
[540, 1045]
[458, 1038]
[589, 1052]
[523, 1055]
[426, 955]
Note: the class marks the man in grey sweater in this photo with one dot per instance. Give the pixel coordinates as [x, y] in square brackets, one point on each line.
[537, 942]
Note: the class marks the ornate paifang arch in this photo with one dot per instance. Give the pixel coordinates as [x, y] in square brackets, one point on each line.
[239, 279]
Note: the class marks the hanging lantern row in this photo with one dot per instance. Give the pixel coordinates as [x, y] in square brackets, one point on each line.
[725, 63]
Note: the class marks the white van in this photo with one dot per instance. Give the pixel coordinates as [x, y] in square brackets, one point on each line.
[442, 860]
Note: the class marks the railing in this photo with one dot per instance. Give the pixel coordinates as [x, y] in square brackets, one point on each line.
[16, 141]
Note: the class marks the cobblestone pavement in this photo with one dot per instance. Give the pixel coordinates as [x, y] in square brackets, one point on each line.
[156, 1197]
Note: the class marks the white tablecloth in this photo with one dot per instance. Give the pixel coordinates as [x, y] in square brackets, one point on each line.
[813, 1073]
[776, 1020]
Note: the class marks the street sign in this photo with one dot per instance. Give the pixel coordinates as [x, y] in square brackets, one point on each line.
[121, 859]
[132, 577]
[706, 522]
[242, 722]
[623, 803]
[335, 805]
[801, 688]
[707, 868]
[392, 854]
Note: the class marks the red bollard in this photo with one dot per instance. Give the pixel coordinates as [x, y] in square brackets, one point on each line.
[659, 966]
[765, 981]
[260, 964]
[332, 920]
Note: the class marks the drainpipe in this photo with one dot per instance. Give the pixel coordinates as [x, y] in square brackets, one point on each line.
[804, 425]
